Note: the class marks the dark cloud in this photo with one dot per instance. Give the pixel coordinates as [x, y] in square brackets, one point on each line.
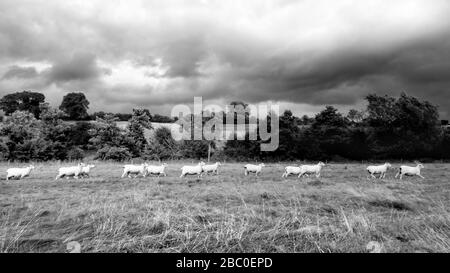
[300, 52]
[81, 67]
[20, 72]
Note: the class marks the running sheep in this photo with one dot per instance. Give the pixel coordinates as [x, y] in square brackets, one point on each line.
[192, 170]
[291, 170]
[67, 172]
[159, 170]
[214, 168]
[381, 170]
[137, 170]
[311, 169]
[410, 171]
[250, 168]
[18, 173]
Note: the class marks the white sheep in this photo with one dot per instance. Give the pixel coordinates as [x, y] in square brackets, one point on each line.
[86, 170]
[18, 172]
[67, 172]
[291, 170]
[380, 169]
[311, 169]
[410, 171]
[159, 170]
[214, 168]
[137, 170]
[250, 168]
[192, 170]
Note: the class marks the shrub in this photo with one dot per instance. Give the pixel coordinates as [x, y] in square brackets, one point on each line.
[75, 153]
[113, 153]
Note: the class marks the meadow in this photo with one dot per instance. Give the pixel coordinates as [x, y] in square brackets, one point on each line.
[340, 212]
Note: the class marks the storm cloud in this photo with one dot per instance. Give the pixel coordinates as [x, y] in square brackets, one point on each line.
[303, 54]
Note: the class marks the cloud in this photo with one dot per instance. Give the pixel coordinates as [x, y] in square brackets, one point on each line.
[158, 53]
[81, 67]
[20, 72]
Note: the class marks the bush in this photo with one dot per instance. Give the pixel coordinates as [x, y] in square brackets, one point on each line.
[114, 153]
[75, 153]
[194, 149]
[162, 146]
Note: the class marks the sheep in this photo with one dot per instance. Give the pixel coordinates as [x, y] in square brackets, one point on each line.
[156, 170]
[192, 170]
[137, 170]
[291, 170]
[250, 168]
[67, 172]
[381, 169]
[214, 168]
[311, 169]
[86, 170]
[410, 171]
[19, 172]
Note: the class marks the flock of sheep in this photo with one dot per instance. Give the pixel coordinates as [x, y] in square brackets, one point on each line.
[82, 170]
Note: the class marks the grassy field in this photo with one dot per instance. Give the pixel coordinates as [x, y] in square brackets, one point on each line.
[340, 212]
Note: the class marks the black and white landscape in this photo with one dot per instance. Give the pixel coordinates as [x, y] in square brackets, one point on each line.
[139, 126]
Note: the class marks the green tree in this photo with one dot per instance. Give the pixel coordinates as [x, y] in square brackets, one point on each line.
[22, 101]
[75, 105]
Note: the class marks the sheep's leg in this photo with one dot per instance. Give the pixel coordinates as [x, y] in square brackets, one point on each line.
[373, 176]
[381, 176]
[421, 176]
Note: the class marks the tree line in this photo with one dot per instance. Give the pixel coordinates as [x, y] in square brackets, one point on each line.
[403, 128]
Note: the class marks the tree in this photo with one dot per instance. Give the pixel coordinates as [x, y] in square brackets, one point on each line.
[355, 116]
[20, 132]
[54, 134]
[22, 101]
[289, 133]
[330, 131]
[162, 146]
[75, 105]
[402, 127]
[138, 122]
[110, 141]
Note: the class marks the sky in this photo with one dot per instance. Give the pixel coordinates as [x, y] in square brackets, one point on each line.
[301, 54]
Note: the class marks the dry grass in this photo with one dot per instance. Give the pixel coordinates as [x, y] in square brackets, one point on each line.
[341, 212]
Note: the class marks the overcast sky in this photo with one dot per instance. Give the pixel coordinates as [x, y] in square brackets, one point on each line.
[303, 54]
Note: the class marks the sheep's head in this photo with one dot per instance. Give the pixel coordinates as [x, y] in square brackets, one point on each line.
[218, 164]
[201, 163]
[91, 166]
[262, 165]
[164, 164]
[420, 166]
[388, 165]
[321, 164]
[31, 167]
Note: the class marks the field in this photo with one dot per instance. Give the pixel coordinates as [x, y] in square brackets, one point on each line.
[340, 212]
